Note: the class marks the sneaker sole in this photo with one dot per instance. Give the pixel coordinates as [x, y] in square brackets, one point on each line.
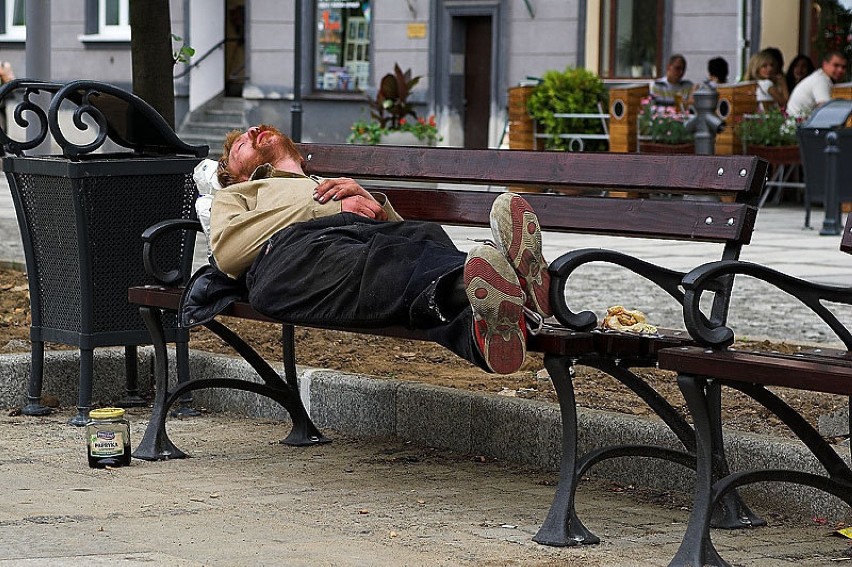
[497, 301]
[517, 232]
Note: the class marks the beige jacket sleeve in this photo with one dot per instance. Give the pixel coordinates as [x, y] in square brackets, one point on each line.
[244, 216]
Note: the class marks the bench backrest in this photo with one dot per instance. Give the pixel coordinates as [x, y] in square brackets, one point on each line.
[588, 177]
[846, 239]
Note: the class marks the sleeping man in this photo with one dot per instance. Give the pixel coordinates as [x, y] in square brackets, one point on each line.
[327, 252]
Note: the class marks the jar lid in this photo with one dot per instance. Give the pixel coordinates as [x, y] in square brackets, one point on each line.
[106, 413]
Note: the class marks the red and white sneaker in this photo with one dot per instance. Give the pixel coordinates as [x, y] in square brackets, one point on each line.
[498, 308]
[517, 233]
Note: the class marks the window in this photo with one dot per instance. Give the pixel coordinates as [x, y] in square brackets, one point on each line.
[113, 18]
[107, 20]
[631, 38]
[342, 45]
[14, 20]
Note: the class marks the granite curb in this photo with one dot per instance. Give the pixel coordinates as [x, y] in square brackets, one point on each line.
[500, 427]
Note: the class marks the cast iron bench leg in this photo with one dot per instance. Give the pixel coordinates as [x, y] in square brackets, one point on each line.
[562, 527]
[731, 512]
[184, 406]
[696, 549]
[155, 444]
[34, 406]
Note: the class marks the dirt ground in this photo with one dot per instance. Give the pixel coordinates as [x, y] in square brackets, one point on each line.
[430, 363]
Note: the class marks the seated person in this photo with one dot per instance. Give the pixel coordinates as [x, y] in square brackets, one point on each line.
[330, 253]
[673, 89]
[816, 88]
[800, 67]
[771, 85]
[717, 72]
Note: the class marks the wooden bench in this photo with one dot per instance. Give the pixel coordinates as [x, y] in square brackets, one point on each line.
[704, 369]
[654, 207]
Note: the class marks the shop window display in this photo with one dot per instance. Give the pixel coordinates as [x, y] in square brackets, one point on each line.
[342, 45]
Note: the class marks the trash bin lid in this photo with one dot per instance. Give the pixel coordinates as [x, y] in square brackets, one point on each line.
[830, 114]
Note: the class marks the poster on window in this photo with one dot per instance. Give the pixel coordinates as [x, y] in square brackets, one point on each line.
[342, 60]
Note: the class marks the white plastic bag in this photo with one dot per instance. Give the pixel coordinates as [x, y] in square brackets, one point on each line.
[205, 178]
[207, 183]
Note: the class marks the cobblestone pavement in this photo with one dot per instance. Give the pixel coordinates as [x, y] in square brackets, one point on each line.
[244, 499]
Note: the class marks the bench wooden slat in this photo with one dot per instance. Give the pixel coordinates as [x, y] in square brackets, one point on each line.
[643, 218]
[591, 171]
[553, 340]
[830, 372]
[625, 344]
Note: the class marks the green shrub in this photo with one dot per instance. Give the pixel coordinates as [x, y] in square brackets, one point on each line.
[572, 91]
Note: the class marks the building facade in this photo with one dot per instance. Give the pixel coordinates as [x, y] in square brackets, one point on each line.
[468, 52]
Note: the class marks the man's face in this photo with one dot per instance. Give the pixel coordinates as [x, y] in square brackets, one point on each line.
[835, 68]
[254, 147]
[675, 71]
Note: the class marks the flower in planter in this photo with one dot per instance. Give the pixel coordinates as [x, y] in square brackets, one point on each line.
[424, 129]
[390, 112]
[770, 128]
[663, 124]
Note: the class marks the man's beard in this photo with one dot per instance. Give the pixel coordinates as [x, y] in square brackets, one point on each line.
[268, 152]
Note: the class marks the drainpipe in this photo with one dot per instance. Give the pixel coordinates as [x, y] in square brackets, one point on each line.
[37, 53]
[296, 107]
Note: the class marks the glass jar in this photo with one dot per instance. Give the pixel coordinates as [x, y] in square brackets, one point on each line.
[108, 438]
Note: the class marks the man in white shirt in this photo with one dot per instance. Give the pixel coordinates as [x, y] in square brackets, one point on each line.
[815, 89]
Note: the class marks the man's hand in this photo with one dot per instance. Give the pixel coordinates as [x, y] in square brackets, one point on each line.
[338, 189]
[353, 197]
[364, 206]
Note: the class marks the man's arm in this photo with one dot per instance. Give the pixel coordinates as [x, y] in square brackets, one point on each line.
[822, 91]
[355, 199]
[242, 220]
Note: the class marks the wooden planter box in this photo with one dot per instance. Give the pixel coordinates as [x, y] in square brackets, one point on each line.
[776, 155]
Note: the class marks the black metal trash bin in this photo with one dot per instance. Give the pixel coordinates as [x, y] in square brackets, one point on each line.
[829, 117]
[81, 216]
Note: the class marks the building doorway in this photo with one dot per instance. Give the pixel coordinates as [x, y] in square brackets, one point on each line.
[468, 71]
[477, 80]
[235, 52]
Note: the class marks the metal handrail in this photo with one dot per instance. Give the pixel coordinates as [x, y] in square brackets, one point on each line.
[198, 61]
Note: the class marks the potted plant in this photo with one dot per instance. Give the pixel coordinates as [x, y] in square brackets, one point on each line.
[390, 113]
[572, 91]
[771, 135]
[662, 129]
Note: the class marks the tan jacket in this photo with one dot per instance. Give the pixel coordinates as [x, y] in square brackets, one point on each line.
[245, 215]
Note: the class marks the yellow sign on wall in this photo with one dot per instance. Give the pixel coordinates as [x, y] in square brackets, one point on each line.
[417, 31]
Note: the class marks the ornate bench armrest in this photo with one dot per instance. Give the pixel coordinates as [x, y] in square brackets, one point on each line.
[562, 268]
[707, 278]
[149, 241]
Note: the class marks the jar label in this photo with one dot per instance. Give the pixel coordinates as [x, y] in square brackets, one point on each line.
[106, 442]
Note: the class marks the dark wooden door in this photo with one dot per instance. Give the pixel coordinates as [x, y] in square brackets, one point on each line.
[477, 81]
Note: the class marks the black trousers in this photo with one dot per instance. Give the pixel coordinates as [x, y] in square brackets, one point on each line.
[352, 272]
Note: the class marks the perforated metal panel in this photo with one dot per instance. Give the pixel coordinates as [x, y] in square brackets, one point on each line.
[52, 228]
[84, 242]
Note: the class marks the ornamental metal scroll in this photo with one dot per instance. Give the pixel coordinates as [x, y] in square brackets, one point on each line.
[116, 114]
[25, 111]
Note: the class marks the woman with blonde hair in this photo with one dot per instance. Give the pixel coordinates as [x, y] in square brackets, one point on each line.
[771, 84]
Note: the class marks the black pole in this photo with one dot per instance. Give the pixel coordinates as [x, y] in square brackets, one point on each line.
[831, 223]
[296, 107]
